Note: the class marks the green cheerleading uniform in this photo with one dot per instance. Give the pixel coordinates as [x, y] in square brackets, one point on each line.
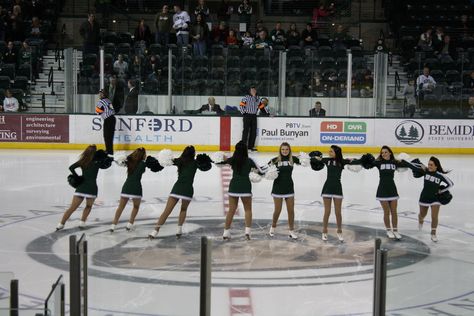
[240, 185]
[431, 188]
[183, 187]
[132, 188]
[332, 188]
[387, 190]
[88, 187]
[283, 186]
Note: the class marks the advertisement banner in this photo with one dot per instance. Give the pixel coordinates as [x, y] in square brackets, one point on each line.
[300, 131]
[34, 128]
[151, 130]
[425, 133]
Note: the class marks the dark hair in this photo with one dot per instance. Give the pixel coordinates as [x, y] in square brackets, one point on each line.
[134, 158]
[338, 152]
[392, 157]
[132, 82]
[317, 102]
[240, 155]
[438, 165]
[87, 156]
[186, 157]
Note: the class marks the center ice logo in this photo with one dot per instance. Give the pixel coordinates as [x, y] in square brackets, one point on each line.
[340, 132]
[409, 132]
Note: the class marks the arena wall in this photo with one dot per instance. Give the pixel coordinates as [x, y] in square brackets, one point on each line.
[50, 131]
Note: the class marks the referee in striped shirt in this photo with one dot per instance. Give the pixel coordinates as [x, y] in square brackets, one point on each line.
[106, 111]
[249, 107]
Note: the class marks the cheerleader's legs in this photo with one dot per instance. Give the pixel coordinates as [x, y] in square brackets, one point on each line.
[338, 211]
[183, 211]
[278, 202]
[327, 212]
[434, 218]
[123, 202]
[290, 207]
[233, 202]
[422, 215]
[170, 204]
[76, 202]
[136, 207]
[247, 202]
[87, 209]
[390, 210]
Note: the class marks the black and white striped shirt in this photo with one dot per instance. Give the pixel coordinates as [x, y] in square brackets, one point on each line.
[251, 104]
[104, 108]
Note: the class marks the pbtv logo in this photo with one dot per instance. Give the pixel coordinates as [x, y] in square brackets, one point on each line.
[340, 132]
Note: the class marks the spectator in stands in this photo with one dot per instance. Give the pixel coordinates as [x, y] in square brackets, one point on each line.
[36, 7]
[35, 28]
[202, 9]
[199, 35]
[15, 31]
[426, 41]
[220, 33]
[115, 91]
[152, 65]
[465, 25]
[470, 82]
[90, 32]
[437, 39]
[10, 56]
[181, 22]
[262, 41]
[211, 106]
[136, 68]
[317, 111]
[247, 39]
[309, 35]
[447, 48]
[339, 36]
[293, 36]
[10, 103]
[232, 38]
[321, 14]
[278, 35]
[425, 83]
[142, 33]
[131, 101]
[245, 13]
[260, 27]
[3, 23]
[225, 11]
[409, 92]
[366, 84]
[163, 26]
[25, 54]
[121, 67]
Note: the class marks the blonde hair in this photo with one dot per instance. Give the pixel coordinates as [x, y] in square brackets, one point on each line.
[290, 155]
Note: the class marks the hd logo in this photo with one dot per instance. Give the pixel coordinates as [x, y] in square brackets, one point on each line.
[340, 132]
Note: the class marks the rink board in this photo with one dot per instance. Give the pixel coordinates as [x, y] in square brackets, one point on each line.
[51, 131]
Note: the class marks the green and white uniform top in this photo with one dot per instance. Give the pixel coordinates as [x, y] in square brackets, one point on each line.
[332, 188]
[283, 186]
[183, 187]
[431, 188]
[132, 188]
[88, 187]
[387, 190]
[240, 185]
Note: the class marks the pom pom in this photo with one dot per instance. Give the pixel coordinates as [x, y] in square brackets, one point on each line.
[203, 162]
[102, 160]
[418, 173]
[445, 197]
[304, 159]
[100, 155]
[367, 161]
[165, 157]
[271, 173]
[75, 180]
[315, 153]
[121, 159]
[255, 177]
[403, 156]
[218, 157]
[153, 164]
[354, 168]
[316, 164]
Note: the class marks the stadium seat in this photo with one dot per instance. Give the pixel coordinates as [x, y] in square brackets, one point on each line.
[233, 74]
[90, 59]
[233, 61]
[4, 82]
[123, 48]
[452, 76]
[109, 48]
[218, 73]
[200, 61]
[20, 83]
[8, 70]
[217, 61]
[201, 73]
[24, 70]
[110, 37]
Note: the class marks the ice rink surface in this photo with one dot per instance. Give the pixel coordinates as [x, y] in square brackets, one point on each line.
[131, 275]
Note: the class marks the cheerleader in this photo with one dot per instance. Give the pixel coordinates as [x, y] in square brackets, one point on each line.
[90, 161]
[332, 189]
[132, 188]
[433, 190]
[183, 188]
[240, 187]
[387, 192]
[283, 188]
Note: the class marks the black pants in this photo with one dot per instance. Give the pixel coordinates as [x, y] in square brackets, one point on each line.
[109, 130]
[249, 133]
